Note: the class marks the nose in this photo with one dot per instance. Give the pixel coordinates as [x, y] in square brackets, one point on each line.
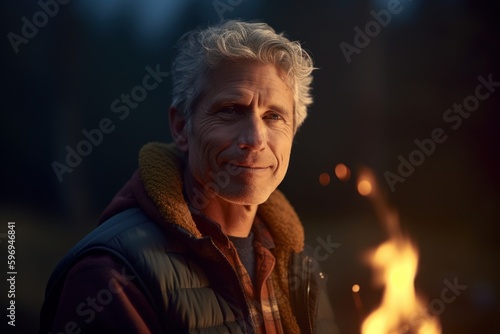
[253, 135]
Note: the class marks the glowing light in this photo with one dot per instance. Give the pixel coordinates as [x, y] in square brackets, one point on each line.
[395, 265]
[342, 172]
[355, 288]
[364, 187]
[324, 179]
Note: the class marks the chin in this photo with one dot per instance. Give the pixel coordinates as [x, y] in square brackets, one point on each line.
[247, 196]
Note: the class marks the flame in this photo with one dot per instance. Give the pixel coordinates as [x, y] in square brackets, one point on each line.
[395, 264]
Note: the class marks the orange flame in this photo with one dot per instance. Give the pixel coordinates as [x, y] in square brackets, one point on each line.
[395, 264]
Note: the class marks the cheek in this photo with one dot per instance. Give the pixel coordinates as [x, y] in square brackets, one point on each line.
[200, 138]
[205, 145]
[285, 161]
[198, 153]
[282, 150]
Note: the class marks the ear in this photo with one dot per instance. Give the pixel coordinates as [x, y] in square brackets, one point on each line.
[178, 128]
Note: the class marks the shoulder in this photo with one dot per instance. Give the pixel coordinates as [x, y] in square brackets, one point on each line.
[119, 263]
[130, 239]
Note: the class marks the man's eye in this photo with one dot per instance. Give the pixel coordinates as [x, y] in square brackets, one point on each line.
[273, 116]
[229, 110]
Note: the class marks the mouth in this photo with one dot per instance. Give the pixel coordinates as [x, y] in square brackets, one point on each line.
[247, 167]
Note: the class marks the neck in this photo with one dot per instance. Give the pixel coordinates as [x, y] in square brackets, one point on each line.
[235, 219]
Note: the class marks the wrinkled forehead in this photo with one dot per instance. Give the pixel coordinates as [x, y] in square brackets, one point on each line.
[222, 65]
[238, 79]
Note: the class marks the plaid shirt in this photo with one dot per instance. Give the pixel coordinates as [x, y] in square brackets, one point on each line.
[261, 298]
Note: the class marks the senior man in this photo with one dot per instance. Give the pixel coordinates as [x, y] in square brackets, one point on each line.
[199, 240]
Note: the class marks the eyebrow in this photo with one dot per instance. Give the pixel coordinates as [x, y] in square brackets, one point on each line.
[235, 97]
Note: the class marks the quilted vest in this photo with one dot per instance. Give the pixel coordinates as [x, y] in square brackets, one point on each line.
[165, 270]
[173, 270]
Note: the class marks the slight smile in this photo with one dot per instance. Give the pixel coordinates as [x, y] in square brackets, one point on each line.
[248, 168]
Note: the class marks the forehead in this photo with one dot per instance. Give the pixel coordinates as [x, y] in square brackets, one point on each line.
[246, 79]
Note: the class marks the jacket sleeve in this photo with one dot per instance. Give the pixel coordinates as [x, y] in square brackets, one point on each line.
[99, 296]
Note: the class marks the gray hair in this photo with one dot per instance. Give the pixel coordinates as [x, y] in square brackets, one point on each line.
[200, 51]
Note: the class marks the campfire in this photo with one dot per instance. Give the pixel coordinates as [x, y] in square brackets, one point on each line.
[395, 262]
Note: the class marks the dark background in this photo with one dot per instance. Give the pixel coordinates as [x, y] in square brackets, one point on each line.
[366, 113]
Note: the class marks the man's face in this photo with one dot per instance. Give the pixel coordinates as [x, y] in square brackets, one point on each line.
[241, 132]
